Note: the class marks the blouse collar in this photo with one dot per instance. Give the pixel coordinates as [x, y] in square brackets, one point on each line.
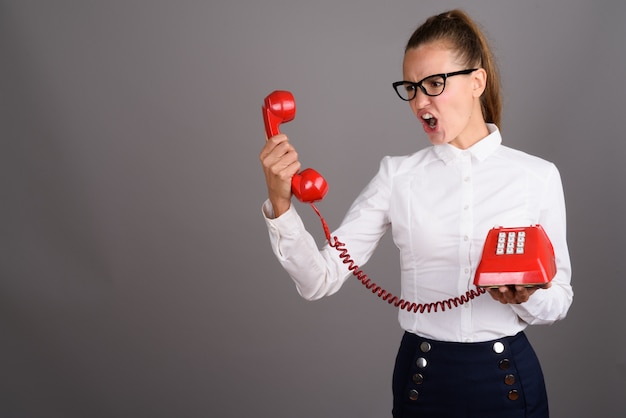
[480, 150]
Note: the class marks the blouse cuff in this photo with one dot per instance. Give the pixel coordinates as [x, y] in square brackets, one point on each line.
[287, 225]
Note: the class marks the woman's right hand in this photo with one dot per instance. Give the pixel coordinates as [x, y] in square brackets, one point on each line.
[280, 162]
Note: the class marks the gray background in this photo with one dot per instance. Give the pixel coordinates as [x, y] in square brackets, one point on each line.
[136, 274]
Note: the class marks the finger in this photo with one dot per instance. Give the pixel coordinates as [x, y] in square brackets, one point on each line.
[497, 295]
[522, 290]
[504, 289]
[284, 164]
[272, 144]
[522, 294]
[280, 157]
[508, 294]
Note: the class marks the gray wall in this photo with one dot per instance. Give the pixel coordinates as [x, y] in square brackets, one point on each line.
[136, 274]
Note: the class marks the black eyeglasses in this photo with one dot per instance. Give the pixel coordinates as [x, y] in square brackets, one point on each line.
[433, 85]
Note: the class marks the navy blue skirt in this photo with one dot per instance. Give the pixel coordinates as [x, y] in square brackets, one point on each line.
[494, 379]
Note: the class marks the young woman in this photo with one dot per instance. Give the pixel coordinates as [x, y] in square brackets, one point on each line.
[468, 361]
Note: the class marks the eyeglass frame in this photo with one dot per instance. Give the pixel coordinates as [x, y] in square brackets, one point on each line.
[445, 76]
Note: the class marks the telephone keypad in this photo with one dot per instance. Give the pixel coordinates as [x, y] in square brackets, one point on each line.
[511, 242]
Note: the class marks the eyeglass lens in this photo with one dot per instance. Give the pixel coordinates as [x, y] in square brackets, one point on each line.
[432, 86]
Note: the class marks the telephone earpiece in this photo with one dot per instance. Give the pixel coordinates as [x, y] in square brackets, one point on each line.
[280, 107]
[308, 186]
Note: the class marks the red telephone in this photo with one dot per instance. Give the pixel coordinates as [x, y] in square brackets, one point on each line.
[308, 186]
[516, 256]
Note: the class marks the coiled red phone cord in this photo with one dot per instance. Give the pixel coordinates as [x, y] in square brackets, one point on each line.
[382, 293]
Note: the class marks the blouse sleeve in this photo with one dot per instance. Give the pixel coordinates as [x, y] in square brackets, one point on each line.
[546, 306]
[317, 273]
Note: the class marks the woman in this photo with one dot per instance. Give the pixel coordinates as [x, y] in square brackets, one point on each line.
[473, 360]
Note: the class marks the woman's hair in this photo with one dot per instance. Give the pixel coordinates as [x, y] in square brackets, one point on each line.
[463, 35]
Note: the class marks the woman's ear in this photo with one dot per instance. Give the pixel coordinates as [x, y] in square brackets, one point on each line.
[479, 79]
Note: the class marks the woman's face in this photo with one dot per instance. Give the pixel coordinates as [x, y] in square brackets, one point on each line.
[455, 116]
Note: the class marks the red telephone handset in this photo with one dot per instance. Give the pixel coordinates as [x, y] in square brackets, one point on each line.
[279, 106]
[516, 256]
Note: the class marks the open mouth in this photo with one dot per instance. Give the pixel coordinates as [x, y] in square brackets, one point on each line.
[429, 120]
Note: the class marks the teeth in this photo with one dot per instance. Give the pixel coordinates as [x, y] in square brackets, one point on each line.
[430, 119]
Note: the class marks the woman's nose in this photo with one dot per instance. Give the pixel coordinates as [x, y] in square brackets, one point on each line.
[420, 101]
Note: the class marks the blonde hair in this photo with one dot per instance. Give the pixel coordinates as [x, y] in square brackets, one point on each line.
[458, 30]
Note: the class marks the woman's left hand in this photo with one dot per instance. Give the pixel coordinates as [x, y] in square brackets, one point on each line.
[514, 294]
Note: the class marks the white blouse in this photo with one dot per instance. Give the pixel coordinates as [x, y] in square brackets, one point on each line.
[440, 202]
